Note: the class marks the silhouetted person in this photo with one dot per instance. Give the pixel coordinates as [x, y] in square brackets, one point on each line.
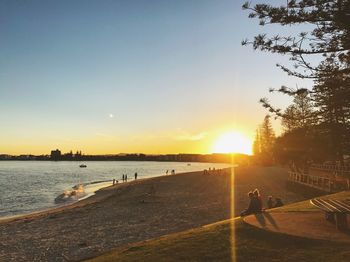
[123, 178]
[253, 206]
[113, 181]
[279, 202]
[126, 178]
[258, 198]
[135, 175]
[270, 202]
[167, 172]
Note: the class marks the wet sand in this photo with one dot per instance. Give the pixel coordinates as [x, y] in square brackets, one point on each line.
[135, 211]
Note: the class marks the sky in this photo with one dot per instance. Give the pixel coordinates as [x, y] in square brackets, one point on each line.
[111, 77]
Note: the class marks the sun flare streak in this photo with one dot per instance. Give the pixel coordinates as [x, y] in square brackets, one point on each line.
[232, 220]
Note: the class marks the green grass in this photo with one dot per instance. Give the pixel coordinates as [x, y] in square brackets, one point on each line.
[307, 206]
[214, 242]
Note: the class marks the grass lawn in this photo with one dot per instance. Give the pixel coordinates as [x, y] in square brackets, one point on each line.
[213, 243]
[307, 206]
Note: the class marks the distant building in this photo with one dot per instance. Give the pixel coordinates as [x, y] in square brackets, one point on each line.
[55, 154]
[5, 157]
[78, 154]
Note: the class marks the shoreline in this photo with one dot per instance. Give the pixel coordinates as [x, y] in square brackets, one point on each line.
[42, 196]
[136, 211]
[48, 209]
[33, 187]
[77, 203]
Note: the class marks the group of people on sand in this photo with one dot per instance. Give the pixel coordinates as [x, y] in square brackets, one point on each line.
[172, 172]
[124, 178]
[256, 204]
[212, 171]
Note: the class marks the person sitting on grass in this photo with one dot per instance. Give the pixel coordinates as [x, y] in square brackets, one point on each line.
[253, 207]
[258, 198]
[279, 202]
[270, 202]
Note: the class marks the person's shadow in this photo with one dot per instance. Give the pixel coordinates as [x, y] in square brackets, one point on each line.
[261, 219]
[271, 220]
[265, 216]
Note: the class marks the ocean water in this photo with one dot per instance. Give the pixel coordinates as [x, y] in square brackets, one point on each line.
[28, 186]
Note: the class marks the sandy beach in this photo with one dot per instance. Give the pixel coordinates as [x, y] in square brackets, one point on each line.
[135, 211]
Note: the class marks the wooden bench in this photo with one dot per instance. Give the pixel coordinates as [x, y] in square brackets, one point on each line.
[336, 211]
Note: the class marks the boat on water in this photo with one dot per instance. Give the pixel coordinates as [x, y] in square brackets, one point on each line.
[71, 195]
[83, 165]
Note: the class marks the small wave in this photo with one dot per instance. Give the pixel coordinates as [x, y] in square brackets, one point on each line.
[81, 191]
[97, 182]
[74, 194]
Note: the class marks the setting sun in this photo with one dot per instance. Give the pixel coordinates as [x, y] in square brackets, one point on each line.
[233, 142]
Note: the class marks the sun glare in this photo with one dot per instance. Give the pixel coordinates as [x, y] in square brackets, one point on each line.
[233, 142]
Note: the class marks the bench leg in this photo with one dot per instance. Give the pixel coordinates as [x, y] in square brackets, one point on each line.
[341, 221]
[330, 217]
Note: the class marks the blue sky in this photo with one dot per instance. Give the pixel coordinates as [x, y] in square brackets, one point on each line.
[129, 76]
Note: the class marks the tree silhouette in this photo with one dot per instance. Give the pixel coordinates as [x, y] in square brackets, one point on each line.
[328, 38]
[264, 142]
[300, 114]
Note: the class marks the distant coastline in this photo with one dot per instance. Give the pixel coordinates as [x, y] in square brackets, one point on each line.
[204, 158]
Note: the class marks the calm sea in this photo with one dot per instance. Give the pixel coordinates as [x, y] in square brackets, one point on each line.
[27, 186]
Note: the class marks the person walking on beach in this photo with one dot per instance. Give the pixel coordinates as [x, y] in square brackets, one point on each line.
[126, 178]
[135, 175]
[123, 178]
[167, 172]
[113, 181]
